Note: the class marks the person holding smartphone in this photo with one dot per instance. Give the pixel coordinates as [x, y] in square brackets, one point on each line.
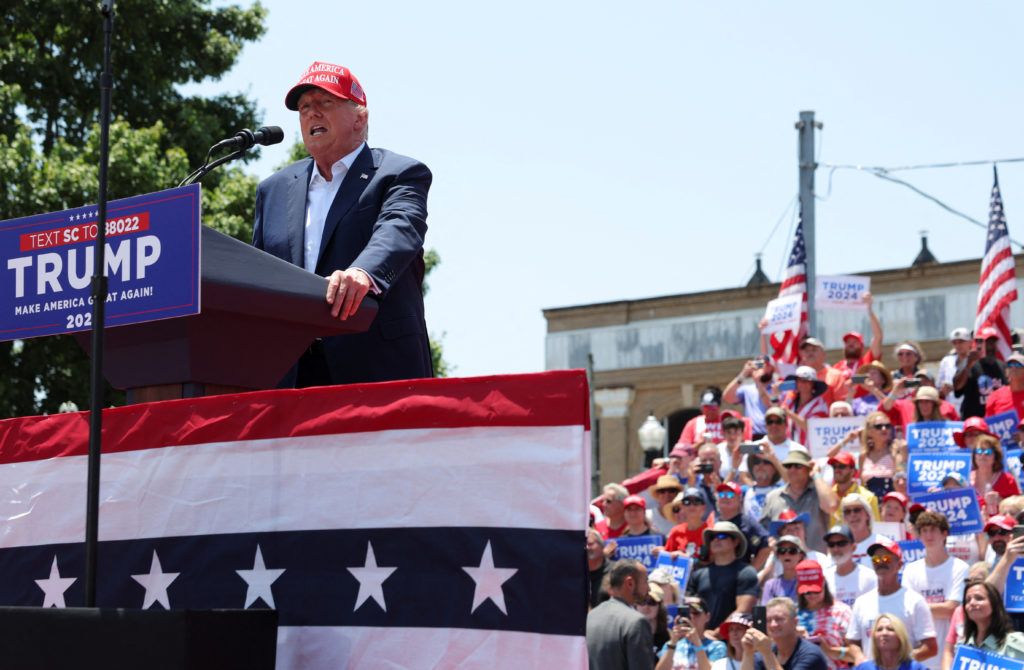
[689, 646]
[983, 374]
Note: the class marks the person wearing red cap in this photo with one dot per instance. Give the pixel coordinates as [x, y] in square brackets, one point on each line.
[854, 353]
[634, 508]
[894, 507]
[890, 597]
[983, 374]
[730, 508]
[1010, 396]
[357, 216]
[845, 482]
[706, 426]
[938, 577]
[823, 617]
[998, 529]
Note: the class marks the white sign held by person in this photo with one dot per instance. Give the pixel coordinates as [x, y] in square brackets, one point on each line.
[823, 433]
[783, 314]
[841, 292]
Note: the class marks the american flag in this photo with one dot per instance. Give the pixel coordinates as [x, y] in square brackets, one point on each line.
[997, 287]
[419, 524]
[786, 346]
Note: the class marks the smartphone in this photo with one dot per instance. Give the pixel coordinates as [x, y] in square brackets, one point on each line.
[1018, 531]
[749, 448]
[758, 363]
[859, 379]
[683, 612]
[705, 468]
[787, 386]
[911, 383]
[761, 618]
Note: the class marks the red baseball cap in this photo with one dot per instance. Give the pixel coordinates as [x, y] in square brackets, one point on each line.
[634, 500]
[898, 497]
[809, 577]
[1004, 521]
[855, 335]
[986, 332]
[335, 79]
[972, 423]
[730, 486]
[843, 458]
[888, 544]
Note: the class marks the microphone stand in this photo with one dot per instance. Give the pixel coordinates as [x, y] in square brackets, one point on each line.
[99, 298]
[207, 167]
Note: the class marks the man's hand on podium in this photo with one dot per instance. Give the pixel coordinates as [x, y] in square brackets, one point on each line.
[346, 290]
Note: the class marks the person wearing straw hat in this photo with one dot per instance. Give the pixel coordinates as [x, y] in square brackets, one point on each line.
[805, 491]
[357, 216]
[870, 394]
[663, 492]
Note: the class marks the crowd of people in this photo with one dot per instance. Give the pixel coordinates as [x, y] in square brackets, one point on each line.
[787, 570]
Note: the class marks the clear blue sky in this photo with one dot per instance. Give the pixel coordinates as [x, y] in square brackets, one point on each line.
[593, 151]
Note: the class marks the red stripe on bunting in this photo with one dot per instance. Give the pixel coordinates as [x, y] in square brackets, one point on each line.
[557, 398]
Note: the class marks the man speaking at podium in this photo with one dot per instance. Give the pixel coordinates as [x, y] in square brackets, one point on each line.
[357, 216]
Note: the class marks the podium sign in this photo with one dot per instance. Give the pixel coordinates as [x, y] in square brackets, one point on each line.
[152, 264]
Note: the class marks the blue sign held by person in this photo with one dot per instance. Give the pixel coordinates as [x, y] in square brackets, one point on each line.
[973, 658]
[932, 435]
[960, 507]
[639, 549]
[1013, 596]
[1012, 463]
[1005, 426]
[912, 550]
[678, 567]
[926, 470]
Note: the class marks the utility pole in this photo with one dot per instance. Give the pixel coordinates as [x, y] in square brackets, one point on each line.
[805, 127]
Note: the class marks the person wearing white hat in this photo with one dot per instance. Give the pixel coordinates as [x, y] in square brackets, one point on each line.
[952, 363]
[983, 374]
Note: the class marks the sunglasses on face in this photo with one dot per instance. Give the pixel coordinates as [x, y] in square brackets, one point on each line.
[852, 510]
[722, 536]
[790, 466]
[996, 532]
[728, 495]
[882, 560]
[882, 426]
[659, 491]
[837, 545]
[689, 502]
[788, 551]
[1015, 364]
[774, 422]
[840, 466]
[983, 451]
[648, 603]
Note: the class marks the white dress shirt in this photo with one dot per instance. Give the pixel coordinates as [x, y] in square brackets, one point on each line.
[319, 197]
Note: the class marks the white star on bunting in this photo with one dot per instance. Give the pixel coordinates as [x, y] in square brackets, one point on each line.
[489, 580]
[54, 587]
[156, 583]
[371, 580]
[259, 580]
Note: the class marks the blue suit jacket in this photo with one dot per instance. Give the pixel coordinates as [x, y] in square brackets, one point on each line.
[377, 222]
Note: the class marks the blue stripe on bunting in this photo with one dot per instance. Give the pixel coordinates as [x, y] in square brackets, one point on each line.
[427, 589]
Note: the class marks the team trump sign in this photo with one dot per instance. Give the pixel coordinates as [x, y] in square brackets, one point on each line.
[152, 264]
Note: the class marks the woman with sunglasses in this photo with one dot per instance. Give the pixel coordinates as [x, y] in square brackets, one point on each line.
[824, 619]
[877, 384]
[986, 623]
[789, 551]
[689, 646]
[806, 402]
[653, 609]
[891, 648]
[880, 455]
[991, 481]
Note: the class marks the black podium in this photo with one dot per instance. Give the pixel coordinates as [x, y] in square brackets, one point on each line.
[35, 638]
[258, 314]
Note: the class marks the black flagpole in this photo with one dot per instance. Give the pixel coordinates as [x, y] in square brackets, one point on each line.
[99, 298]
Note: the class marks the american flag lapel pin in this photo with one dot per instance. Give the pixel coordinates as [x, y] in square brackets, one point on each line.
[364, 176]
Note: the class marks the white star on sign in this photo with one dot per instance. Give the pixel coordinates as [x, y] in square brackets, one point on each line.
[259, 580]
[489, 580]
[156, 583]
[54, 587]
[371, 580]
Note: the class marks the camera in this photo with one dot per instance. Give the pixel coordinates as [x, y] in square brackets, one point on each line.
[705, 468]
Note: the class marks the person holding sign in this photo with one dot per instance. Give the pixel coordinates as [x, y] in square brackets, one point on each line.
[987, 624]
[854, 354]
[1011, 396]
[635, 511]
[809, 400]
[991, 481]
[892, 647]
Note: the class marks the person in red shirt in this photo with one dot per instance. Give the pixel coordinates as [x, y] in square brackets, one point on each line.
[989, 477]
[1005, 398]
[614, 522]
[687, 538]
[854, 354]
[706, 426]
[925, 406]
[812, 355]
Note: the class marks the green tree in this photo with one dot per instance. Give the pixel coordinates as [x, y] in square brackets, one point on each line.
[50, 61]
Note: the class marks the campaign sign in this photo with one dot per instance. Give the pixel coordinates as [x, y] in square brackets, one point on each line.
[639, 548]
[926, 470]
[912, 550]
[678, 567]
[843, 292]
[1011, 459]
[823, 433]
[1005, 426]
[932, 435]
[894, 530]
[783, 314]
[1013, 596]
[152, 264]
[960, 507]
[973, 658]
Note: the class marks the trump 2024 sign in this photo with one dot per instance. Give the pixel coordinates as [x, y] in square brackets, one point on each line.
[152, 264]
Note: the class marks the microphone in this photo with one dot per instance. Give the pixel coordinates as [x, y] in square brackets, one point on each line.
[246, 138]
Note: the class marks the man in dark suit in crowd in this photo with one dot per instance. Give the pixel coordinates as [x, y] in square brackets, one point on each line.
[357, 216]
[618, 636]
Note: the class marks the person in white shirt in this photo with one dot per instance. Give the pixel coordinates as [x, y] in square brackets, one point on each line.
[857, 512]
[953, 363]
[938, 577]
[890, 597]
[847, 579]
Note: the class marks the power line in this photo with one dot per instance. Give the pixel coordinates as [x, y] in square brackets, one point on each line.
[923, 166]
